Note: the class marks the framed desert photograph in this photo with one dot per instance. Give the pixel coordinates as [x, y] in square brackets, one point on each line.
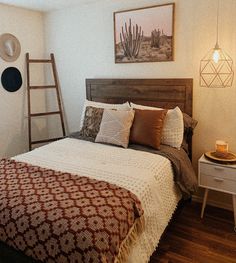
[144, 34]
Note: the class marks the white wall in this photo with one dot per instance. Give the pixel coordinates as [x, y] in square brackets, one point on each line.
[27, 26]
[82, 40]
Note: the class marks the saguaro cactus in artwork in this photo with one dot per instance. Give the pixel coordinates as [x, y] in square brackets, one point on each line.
[131, 38]
[155, 38]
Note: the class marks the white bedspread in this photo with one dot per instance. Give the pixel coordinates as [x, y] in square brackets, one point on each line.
[147, 175]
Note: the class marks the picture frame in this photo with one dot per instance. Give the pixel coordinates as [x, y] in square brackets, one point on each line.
[144, 34]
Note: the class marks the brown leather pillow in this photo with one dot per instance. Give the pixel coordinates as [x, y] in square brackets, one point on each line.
[147, 127]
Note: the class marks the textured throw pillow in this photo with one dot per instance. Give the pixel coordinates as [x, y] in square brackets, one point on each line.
[189, 126]
[142, 107]
[115, 127]
[147, 127]
[189, 122]
[124, 106]
[91, 124]
[173, 129]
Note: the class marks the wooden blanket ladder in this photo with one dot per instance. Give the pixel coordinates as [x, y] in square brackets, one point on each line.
[30, 88]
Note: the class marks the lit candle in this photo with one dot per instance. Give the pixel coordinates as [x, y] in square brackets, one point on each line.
[221, 146]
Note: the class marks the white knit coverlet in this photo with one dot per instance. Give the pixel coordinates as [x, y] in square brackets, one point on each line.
[147, 175]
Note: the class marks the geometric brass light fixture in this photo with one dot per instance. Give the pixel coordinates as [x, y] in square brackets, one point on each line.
[216, 68]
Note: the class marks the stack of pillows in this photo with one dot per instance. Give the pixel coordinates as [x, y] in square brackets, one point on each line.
[121, 124]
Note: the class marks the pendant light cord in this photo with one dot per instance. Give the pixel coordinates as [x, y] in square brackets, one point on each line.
[216, 68]
[217, 25]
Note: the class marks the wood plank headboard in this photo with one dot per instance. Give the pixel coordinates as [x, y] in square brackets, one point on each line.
[164, 93]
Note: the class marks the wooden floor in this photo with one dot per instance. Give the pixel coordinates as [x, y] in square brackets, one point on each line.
[189, 239]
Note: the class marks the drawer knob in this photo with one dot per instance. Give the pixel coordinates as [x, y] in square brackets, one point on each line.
[220, 180]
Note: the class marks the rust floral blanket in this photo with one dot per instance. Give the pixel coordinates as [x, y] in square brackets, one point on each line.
[60, 217]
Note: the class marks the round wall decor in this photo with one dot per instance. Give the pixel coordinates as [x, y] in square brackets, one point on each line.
[9, 47]
[11, 79]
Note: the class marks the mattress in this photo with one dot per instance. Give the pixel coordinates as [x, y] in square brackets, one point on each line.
[149, 176]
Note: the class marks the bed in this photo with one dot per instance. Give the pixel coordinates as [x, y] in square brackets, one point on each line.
[147, 175]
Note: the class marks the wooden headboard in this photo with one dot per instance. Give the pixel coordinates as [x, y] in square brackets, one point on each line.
[163, 93]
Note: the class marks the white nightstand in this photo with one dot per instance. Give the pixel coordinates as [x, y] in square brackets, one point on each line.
[218, 177]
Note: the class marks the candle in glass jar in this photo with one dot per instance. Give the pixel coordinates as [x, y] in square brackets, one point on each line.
[221, 146]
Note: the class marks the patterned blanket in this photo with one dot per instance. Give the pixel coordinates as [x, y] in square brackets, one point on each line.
[60, 217]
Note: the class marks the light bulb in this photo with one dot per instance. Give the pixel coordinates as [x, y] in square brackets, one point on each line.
[216, 55]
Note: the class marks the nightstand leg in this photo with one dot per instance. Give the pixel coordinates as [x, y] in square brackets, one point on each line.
[204, 202]
[234, 207]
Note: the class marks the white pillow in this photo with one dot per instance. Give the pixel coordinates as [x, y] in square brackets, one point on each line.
[115, 127]
[173, 129]
[124, 106]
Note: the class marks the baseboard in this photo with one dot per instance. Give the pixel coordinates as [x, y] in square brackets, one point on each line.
[226, 206]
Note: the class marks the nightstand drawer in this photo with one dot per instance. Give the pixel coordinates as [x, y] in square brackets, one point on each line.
[218, 171]
[218, 177]
[218, 182]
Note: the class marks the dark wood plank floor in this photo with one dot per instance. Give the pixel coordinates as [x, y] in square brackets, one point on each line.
[189, 239]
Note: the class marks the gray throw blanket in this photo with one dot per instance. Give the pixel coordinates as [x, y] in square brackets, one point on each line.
[184, 174]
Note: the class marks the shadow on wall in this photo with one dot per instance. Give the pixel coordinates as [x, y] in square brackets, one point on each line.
[16, 145]
[19, 142]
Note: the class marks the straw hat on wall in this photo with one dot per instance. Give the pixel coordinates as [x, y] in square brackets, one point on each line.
[9, 47]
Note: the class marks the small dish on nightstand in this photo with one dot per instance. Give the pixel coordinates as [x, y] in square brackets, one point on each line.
[227, 158]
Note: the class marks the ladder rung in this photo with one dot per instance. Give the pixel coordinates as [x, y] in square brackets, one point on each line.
[44, 113]
[51, 62]
[40, 61]
[43, 87]
[47, 140]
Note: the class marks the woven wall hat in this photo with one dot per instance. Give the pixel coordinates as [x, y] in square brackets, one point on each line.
[9, 47]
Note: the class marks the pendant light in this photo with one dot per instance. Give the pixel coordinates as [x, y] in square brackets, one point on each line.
[216, 68]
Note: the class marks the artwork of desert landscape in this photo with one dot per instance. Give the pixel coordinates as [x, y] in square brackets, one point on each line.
[144, 34]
